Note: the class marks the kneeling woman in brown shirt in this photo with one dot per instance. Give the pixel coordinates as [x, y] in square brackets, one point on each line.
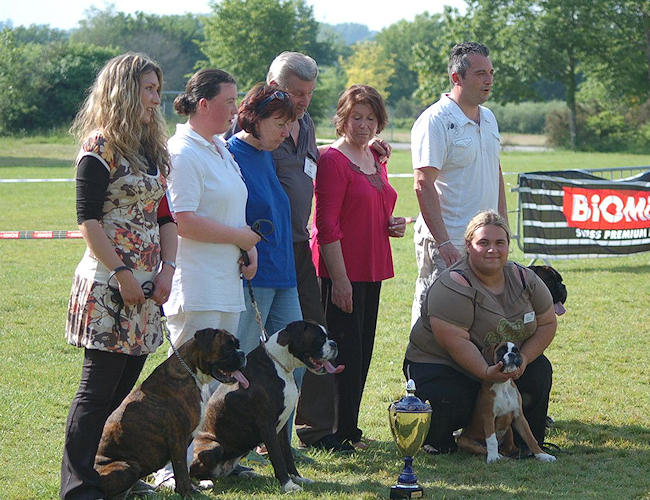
[482, 299]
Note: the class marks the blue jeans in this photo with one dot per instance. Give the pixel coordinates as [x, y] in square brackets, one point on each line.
[278, 307]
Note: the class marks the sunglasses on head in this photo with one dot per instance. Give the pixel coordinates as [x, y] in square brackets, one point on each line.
[278, 94]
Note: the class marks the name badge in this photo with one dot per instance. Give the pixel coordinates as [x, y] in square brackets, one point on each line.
[310, 167]
[529, 317]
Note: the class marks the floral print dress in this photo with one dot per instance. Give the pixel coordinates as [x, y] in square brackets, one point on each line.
[95, 320]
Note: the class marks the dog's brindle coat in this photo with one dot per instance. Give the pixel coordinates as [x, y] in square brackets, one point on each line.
[238, 419]
[156, 420]
[497, 408]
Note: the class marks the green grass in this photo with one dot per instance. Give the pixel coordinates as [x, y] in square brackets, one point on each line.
[600, 398]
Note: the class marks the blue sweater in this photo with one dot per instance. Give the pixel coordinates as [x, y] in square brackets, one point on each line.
[267, 200]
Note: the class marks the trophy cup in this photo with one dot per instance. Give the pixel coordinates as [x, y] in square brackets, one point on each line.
[409, 422]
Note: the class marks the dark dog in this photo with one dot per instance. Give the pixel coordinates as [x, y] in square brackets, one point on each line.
[155, 422]
[553, 281]
[238, 419]
[497, 408]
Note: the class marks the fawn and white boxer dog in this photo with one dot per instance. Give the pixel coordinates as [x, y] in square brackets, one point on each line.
[497, 408]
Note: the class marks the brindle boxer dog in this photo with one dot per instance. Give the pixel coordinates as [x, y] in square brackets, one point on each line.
[497, 408]
[238, 419]
[155, 422]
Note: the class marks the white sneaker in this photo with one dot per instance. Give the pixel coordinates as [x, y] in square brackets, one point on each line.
[166, 483]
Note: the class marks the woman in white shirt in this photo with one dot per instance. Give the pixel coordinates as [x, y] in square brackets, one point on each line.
[208, 198]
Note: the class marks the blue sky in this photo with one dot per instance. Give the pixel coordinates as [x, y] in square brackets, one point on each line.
[376, 14]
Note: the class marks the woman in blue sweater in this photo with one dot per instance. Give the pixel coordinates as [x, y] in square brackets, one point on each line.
[264, 116]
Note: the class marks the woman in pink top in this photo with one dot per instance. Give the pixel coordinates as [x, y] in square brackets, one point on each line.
[352, 222]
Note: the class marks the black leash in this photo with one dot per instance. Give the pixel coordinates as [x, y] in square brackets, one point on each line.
[148, 288]
[257, 227]
[116, 296]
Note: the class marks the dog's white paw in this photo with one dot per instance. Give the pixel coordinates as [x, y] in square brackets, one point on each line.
[290, 487]
[494, 458]
[206, 484]
[301, 480]
[545, 457]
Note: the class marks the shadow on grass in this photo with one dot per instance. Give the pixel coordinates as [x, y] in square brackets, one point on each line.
[16, 161]
[595, 438]
[636, 269]
[371, 473]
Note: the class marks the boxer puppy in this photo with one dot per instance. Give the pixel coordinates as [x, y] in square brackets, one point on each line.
[155, 422]
[553, 281]
[239, 418]
[497, 408]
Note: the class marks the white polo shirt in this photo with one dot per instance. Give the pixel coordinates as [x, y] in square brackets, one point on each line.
[206, 180]
[467, 157]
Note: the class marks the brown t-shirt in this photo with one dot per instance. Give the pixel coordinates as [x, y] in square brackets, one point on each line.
[488, 317]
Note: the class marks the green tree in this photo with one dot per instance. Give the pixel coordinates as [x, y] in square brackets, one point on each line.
[622, 64]
[397, 43]
[244, 36]
[38, 33]
[42, 85]
[367, 65]
[170, 40]
[331, 82]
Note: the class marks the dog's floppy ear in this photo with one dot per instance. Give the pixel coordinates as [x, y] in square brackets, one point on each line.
[205, 337]
[293, 329]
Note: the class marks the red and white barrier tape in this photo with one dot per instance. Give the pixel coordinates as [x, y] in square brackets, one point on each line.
[40, 235]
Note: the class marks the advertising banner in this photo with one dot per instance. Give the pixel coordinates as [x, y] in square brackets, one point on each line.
[574, 214]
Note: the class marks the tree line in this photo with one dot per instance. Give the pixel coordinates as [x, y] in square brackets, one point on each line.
[593, 55]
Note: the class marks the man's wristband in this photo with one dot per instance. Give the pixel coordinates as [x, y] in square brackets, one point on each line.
[443, 243]
[170, 264]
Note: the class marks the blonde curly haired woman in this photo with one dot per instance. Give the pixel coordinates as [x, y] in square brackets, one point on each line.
[127, 269]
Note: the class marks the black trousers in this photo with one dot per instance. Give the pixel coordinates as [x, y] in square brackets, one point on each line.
[316, 411]
[452, 396]
[106, 379]
[355, 335]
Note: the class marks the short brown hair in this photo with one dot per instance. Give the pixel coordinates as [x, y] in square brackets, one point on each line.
[261, 102]
[485, 218]
[360, 94]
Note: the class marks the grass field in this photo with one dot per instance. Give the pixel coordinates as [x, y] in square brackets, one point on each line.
[600, 399]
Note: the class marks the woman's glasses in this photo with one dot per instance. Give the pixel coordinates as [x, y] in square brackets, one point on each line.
[278, 94]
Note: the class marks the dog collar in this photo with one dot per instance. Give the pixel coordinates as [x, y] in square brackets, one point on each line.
[276, 359]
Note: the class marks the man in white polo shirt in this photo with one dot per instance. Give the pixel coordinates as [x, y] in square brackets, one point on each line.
[455, 146]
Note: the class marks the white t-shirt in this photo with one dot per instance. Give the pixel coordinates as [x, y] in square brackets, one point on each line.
[467, 157]
[206, 180]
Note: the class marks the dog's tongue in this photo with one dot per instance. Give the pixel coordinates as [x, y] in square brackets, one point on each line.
[559, 308]
[239, 377]
[331, 369]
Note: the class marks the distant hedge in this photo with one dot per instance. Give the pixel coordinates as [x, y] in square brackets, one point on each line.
[525, 117]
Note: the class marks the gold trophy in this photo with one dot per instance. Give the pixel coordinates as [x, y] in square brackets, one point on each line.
[409, 420]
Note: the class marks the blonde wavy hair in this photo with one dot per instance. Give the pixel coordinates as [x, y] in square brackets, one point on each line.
[113, 107]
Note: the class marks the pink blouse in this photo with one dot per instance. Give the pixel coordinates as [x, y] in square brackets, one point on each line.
[354, 208]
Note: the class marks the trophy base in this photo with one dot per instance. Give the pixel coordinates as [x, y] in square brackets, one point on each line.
[403, 491]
